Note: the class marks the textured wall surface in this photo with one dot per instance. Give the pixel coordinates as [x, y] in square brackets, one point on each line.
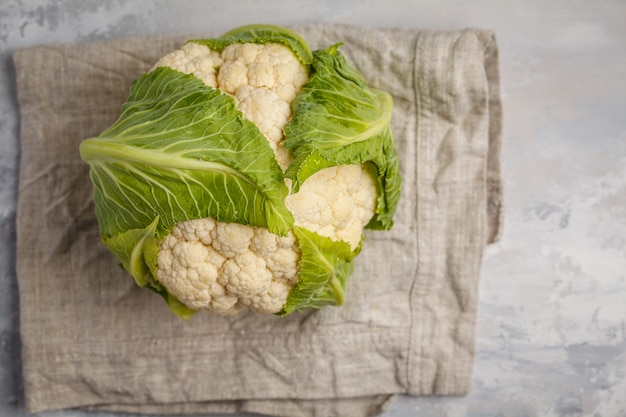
[552, 315]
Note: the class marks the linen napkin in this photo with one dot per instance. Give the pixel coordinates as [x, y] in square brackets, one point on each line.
[93, 340]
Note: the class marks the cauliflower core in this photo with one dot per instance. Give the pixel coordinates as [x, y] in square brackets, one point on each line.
[226, 267]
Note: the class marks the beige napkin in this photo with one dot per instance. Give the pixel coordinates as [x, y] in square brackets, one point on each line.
[92, 339]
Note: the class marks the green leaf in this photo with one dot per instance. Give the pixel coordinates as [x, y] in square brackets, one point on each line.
[137, 251]
[325, 266]
[261, 33]
[179, 151]
[176, 306]
[338, 119]
[304, 166]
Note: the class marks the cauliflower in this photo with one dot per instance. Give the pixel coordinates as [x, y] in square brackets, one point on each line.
[210, 265]
[252, 189]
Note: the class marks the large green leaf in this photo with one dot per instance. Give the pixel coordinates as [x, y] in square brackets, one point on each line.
[325, 266]
[338, 119]
[181, 151]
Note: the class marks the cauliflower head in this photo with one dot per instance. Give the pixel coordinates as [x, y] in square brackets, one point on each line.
[224, 267]
[242, 173]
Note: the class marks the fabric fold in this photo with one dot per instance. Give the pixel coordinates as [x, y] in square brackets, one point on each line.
[93, 340]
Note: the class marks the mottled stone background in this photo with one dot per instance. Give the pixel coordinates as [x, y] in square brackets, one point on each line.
[552, 316]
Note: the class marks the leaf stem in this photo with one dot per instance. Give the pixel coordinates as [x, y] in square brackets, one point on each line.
[335, 284]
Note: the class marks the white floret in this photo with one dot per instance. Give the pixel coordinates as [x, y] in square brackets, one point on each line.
[335, 202]
[189, 270]
[267, 66]
[264, 243]
[225, 267]
[263, 107]
[271, 300]
[231, 239]
[246, 275]
[270, 113]
[196, 59]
